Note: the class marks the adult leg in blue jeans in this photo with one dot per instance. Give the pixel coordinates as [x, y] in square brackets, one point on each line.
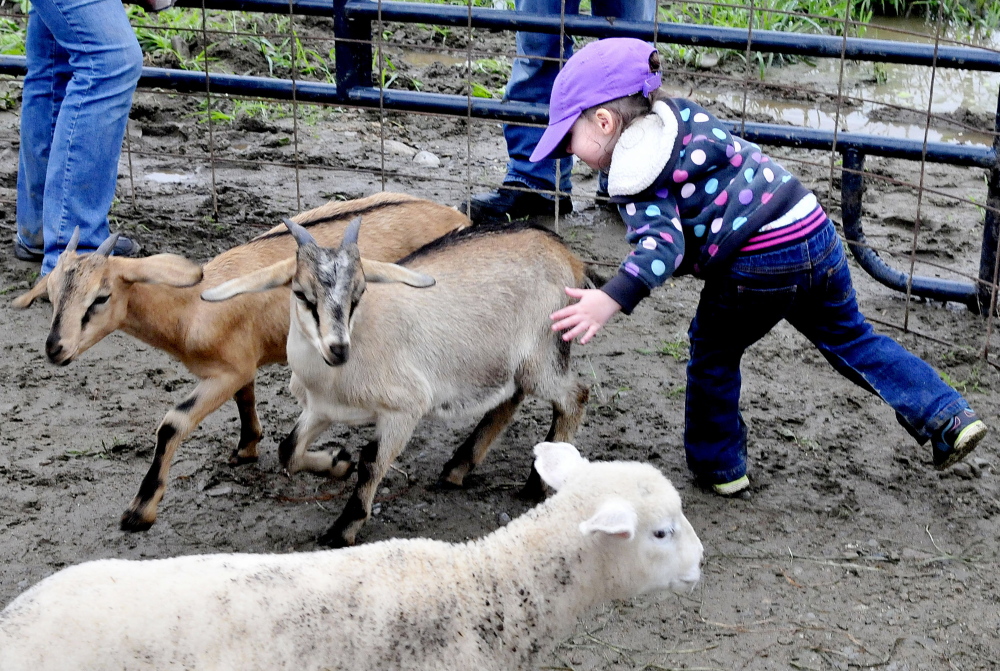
[531, 80]
[83, 65]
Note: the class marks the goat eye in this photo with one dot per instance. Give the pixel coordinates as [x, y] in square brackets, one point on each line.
[101, 300]
[302, 297]
[663, 533]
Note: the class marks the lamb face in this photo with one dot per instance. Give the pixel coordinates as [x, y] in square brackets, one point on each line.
[668, 546]
[638, 521]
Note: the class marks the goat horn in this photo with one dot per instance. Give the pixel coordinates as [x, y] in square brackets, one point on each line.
[351, 234]
[74, 240]
[108, 245]
[301, 235]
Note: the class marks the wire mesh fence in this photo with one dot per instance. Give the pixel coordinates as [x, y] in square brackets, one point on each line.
[853, 549]
[195, 144]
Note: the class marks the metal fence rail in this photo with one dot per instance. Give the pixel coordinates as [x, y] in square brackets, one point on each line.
[354, 19]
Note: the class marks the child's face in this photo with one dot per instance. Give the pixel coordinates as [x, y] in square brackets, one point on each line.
[592, 138]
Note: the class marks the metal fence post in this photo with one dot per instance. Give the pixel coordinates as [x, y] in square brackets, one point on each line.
[991, 226]
[352, 51]
[851, 192]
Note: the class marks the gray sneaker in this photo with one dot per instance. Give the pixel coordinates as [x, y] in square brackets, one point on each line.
[126, 247]
[123, 247]
[26, 253]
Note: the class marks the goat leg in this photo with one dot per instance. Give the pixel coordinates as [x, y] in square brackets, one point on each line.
[292, 454]
[567, 413]
[250, 431]
[177, 424]
[472, 452]
[392, 433]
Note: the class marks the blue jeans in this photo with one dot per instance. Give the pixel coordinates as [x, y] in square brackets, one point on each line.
[809, 285]
[531, 81]
[83, 65]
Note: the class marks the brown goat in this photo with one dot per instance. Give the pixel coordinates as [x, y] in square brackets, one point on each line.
[157, 300]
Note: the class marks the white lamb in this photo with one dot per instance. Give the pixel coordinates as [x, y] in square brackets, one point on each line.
[612, 530]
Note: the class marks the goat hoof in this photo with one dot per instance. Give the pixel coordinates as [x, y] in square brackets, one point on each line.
[531, 493]
[444, 484]
[237, 460]
[132, 521]
[332, 538]
[342, 465]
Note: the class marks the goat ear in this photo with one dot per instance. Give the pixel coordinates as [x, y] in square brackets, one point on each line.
[377, 271]
[29, 297]
[615, 517]
[169, 269]
[555, 462]
[279, 274]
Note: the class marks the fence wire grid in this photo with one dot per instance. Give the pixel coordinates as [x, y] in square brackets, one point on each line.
[201, 145]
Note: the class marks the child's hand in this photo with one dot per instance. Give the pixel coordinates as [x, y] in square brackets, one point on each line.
[586, 316]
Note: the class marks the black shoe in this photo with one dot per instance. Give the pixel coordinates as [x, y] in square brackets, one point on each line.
[123, 247]
[957, 439]
[126, 247]
[603, 200]
[508, 205]
[25, 253]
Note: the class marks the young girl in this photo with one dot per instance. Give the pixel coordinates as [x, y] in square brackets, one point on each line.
[696, 199]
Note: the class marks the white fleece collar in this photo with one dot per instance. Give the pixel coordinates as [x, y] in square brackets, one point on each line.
[642, 151]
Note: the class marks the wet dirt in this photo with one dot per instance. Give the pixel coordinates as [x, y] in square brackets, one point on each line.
[852, 551]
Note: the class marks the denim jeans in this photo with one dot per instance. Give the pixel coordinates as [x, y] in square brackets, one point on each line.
[809, 285]
[83, 65]
[531, 81]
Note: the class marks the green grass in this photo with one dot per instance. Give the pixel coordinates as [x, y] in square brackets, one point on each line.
[678, 350]
[812, 16]
[975, 14]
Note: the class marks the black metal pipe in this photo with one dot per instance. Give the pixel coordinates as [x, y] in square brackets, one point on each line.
[851, 192]
[832, 46]
[991, 227]
[772, 41]
[354, 76]
[516, 112]
[353, 55]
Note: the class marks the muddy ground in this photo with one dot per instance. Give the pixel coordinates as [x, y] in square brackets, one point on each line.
[852, 551]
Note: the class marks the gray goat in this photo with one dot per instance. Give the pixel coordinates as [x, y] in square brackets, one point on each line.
[459, 328]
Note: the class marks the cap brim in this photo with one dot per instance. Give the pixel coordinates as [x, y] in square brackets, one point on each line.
[552, 144]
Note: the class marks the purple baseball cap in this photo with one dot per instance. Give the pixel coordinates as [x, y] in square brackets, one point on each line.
[601, 71]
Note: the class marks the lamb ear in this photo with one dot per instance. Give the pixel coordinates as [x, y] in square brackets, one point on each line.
[377, 271]
[556, 461]
[276, 275]
[615, 517]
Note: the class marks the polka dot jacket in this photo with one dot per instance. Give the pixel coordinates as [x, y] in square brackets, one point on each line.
[692, 195]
